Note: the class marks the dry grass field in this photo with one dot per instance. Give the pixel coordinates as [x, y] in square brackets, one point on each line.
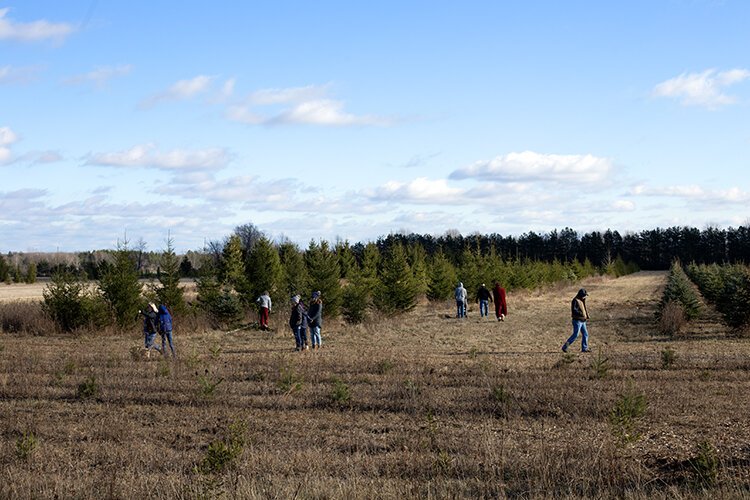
[418, 406]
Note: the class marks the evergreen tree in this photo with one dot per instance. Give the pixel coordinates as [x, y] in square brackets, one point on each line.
[347, 262]
[263, 268]
[398, 289]
[65, 301]
[4, 269]
[470, 270]
[31, 273]
[120, 287]
[186, 268]
[323, 272]
[170, 292]
[356, 299]
[442, 278]
[418, 262]
[294, 271]
[370, 264]
[232, 268]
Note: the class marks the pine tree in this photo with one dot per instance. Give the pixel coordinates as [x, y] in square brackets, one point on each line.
[323, 272]
[356, 299]
[418, 263]
[442, 278]
[31, 273]
[469, 272]
[120, 287]
[263, 268]
[398, 288]
[347, 262]
[170, 292]
[294, 272]
[232, 268]
[370, 264]
[4, 270]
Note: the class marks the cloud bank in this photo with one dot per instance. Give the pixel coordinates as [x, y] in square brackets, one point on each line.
[704, 89]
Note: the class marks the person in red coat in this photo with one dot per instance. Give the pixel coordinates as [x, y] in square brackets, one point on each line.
[501, 307]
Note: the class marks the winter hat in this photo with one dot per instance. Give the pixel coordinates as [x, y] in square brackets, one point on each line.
[153, 307]
[582, 293]
[295, 299]
[315, 295]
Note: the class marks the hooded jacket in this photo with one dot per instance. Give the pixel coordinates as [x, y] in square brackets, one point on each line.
[165, 319]
[578, 309]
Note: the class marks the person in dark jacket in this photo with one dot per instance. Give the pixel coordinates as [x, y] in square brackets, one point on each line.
[501, 306]
[484, 297]
[150, 326]
[165, 329]
[315, 320]
[580, 315]
[298, 323]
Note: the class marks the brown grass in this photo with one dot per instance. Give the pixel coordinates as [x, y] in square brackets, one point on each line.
[436, 407]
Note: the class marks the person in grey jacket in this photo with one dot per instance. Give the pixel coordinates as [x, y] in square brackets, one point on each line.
[460, 301]
[264, 303]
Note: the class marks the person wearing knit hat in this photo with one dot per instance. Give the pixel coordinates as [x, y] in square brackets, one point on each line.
[580, 315]
[298, 323]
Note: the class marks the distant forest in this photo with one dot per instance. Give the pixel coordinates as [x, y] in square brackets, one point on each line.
[653, 249]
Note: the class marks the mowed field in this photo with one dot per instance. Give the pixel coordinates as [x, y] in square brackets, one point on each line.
[417, 406]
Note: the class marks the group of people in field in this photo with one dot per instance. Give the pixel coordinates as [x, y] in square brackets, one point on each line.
[483, 298]
[304, 317]
[157, 320]
[579, 312]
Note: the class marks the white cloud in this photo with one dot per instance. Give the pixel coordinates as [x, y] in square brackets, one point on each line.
[267, 97]
[704, 89]
[33, 31]
[21, 75]
[731, 195]
[146, 155]
[100, 75]
[623, 206]
[181, 90]
[537, 167]
[7, 137]
[419, 190]
[309, 105]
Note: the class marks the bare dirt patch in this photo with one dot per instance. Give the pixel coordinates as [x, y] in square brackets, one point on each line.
[415, 406]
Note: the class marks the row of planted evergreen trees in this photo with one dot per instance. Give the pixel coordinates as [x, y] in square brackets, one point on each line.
[388, 276]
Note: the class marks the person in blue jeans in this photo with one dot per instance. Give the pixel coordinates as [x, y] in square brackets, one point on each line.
[298, 323]
[315, 320]
[484, 297]
[165, 329]
[580, 315]
[460, 301]
[150, 326]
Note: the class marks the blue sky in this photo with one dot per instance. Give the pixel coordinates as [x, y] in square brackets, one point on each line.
[344, 120]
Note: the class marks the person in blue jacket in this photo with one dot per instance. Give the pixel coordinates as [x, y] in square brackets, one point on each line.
[165, 329]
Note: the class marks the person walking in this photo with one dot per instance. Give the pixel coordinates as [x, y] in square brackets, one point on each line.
[150, 322]
[580, 315]
[264, 302]
[460, 301]
[165, 329]
[484, 297]
[501, 306]
[315, 320]
[298, 323]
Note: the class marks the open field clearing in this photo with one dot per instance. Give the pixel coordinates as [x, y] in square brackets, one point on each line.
[418, 406]
[33, 291]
